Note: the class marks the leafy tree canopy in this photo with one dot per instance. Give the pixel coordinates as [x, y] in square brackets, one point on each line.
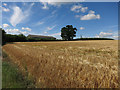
[68, 32]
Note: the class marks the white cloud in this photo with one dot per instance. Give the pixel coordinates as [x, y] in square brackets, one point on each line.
[78, 8]
[45, 4]
[4, 4]
[84, 9]
[91, 12]
[19, 15]
[91, 15]
[14, 31]
[82, 28]
[104, 34]
[5, 9]
[115, 37]
[54, 3]
[28, 29]
[50, 28]
[24, 32]
[51, 2]
[5, 25]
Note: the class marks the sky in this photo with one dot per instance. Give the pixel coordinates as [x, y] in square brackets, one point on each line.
[92, 19]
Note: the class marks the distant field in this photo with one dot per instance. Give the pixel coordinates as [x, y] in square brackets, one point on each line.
[82, 64]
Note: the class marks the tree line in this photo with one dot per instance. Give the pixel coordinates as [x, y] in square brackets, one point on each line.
[20, 38]
[67, 34]
[12, 38]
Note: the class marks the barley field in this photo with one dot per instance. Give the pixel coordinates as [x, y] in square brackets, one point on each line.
[68, 64]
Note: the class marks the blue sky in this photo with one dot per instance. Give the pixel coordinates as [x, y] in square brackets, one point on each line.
[47, 18]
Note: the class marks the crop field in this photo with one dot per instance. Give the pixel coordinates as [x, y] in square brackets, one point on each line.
[72, 64]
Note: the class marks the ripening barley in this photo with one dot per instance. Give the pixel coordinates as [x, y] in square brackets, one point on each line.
[82, 64]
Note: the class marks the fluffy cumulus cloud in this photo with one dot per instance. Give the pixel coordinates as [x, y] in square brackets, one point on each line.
[13, 31]
[108, 34]
[28, 29]
[5, 25]
[84, 9]
[5, 9]
[16, 31]
[19, 15]
[57, 3]
[104, 35]
[91, 15]
[45, 4]
[76, 8]
[79, 8]
[4, 4]
[82, 28]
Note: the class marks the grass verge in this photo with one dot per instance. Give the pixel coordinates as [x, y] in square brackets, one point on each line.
[12, 77]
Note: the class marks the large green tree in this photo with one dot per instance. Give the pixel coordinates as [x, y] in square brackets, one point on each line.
[68, 32]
